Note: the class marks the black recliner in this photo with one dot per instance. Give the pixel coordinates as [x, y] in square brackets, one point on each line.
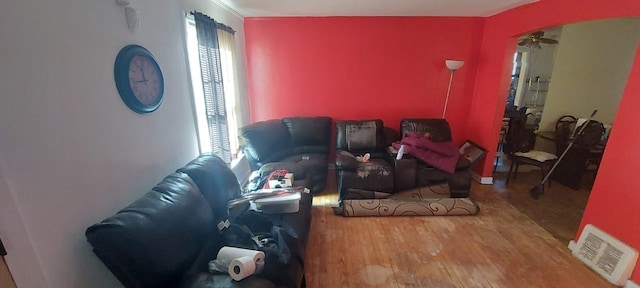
[167, 237]
[304, 141]
[425, 175]
[355, 138]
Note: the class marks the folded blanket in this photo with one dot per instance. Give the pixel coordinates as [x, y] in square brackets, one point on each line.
[441, 155]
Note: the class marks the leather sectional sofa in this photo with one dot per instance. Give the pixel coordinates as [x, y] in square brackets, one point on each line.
[167, 237]
[355, 138]
[383, 173]
[300, 143]
[425, 175]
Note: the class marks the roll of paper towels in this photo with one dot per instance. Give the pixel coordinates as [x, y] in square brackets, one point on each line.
[231, 253]
[242, 267]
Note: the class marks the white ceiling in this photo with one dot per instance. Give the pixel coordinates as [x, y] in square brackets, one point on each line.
[296, 8]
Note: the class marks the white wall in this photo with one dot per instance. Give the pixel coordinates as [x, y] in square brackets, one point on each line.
[591, 69]
[71, 152]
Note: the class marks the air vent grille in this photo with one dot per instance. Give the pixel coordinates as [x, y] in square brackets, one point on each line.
[605, 254]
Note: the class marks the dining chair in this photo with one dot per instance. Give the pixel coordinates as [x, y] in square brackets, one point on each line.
[520, 141]
[565, 126]
[583, 152]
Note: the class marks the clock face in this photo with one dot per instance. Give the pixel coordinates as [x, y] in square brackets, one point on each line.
[144, 79]
[138, 79]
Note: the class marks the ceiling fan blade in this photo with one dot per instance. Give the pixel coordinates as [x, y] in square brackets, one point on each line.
[537, 34]
[548, 41]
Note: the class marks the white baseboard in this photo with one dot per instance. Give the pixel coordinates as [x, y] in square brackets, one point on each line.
[631, 284]
[482, 180]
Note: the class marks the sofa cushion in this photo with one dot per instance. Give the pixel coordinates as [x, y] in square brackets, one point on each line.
[153, 241]
[291, 167]
[216, 182]
[315, 166]
[375, 175]
[360, 135]
[346, 160]
[438, 129]
[299, 173]
[309, 131]
[265, 141]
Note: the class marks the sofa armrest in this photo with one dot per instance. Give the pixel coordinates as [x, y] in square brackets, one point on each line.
[404, 171]
[346, 161]
[463, 163]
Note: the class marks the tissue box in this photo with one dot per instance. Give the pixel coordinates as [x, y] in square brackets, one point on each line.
[278, 180]
[286, 203]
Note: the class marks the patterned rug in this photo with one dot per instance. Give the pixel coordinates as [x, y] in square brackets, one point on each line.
[427, 201]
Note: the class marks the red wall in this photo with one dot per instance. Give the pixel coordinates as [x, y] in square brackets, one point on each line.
[350, 68]
[361, 67]
[615, 197]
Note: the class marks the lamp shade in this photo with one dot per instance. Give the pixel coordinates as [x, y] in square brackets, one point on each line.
[454, 64]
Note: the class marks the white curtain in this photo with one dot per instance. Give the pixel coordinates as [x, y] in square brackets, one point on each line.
[227, 44]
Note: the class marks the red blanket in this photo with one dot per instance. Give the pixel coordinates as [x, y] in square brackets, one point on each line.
[441, 155]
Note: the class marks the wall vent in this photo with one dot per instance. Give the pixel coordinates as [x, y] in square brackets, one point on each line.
[605, 254]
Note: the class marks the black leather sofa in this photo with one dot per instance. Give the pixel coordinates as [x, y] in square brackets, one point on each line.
[304, 141]
[425, 175]
[383, 172]
[167, 237]
[356, 138]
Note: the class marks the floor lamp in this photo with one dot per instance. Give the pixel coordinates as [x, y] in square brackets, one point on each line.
[453, 65]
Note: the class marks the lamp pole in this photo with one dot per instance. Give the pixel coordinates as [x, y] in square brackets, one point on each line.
[453, 65]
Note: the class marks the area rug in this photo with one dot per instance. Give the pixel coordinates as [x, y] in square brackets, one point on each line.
[427, 201]
[430, 192]
[407, 207]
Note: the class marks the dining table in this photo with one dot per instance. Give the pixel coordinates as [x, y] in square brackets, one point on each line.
[576, 162]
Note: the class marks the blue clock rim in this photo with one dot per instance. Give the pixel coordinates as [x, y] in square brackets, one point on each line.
[121, 76]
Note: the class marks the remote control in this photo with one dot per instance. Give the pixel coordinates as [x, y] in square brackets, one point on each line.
[400, 152]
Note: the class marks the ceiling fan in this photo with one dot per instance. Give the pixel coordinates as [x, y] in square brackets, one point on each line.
[534, 39]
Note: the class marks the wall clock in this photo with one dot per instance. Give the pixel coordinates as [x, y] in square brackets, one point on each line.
[138, 79]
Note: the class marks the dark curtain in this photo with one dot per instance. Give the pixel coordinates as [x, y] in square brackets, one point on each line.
[211, 69]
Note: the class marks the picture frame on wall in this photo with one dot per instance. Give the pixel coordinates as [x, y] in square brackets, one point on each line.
[472, 151]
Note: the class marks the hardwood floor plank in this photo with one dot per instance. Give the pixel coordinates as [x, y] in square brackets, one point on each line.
[499, 247]
[6, 281]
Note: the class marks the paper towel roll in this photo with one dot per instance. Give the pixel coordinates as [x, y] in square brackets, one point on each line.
[242, 267]
[230, 253]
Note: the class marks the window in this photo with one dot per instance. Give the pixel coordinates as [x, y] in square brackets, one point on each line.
[215, 103]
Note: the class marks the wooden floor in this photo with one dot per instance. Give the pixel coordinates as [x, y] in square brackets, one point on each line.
[5, 276]
[559, 210]
[500, 247]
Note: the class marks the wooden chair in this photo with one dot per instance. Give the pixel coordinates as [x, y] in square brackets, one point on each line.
[565, 127]
[570, 170]
[520, 141]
